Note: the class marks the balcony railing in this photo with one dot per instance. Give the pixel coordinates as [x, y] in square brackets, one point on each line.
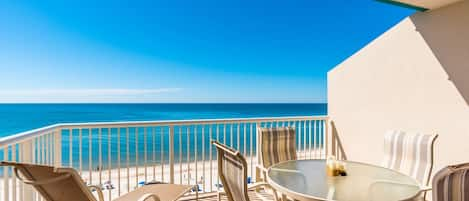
[121, 156]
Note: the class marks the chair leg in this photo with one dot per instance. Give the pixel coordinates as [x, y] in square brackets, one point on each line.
[274, 193]
[284, 197]
[258, 177]
[218, 196]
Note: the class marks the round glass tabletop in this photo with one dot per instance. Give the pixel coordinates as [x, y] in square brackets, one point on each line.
[308, 180]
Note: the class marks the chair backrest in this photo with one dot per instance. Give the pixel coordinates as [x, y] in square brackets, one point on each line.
[54, 184]
[276, 145]
[410, 153]
[451, 183]
[232, 169]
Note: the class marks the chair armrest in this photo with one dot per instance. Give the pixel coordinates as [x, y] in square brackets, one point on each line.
[98, 190]
[259, 184]
[425, 188]
[149, 195]
[262, 168]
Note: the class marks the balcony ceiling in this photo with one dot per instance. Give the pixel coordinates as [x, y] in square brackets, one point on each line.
[426, 4]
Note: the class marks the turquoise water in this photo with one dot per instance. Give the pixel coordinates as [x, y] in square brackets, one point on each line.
[132, 142]
[15, 118]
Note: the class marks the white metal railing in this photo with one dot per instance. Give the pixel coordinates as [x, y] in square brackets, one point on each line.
[121, 156]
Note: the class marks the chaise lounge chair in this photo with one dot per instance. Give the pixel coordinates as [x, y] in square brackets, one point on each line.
[64, 184]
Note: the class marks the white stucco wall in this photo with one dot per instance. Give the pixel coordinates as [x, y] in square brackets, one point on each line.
[414, 77]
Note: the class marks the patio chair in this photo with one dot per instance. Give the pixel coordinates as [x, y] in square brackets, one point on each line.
[275, 145]
[64, 184]
[232, 169]
[411, 154]
[451, 183]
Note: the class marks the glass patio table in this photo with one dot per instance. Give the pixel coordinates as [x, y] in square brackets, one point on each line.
[308, 180]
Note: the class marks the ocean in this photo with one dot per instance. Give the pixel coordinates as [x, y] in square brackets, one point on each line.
[16, 118]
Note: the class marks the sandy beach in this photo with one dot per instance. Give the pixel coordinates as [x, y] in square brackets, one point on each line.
[117, 181]
[206, 176]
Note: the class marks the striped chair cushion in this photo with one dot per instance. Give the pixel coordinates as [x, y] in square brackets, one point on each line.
[233, 173]
[276, 145]
[452, 183]
[411, 154]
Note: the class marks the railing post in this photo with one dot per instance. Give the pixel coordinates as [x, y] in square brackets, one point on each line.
[171, 154]
[257, 170]
[58, 147]
[27, 153]
[329, 139]
[6, 179]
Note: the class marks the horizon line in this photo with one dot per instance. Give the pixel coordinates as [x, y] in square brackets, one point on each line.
[4, 103]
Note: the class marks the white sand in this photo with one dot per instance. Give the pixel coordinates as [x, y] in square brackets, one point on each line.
[206, 176]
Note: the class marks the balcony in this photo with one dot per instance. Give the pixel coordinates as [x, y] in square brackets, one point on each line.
[121, 156]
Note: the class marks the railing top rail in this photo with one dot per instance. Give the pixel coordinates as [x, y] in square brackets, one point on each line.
[5, 141]
[32, 133]
[188, 122]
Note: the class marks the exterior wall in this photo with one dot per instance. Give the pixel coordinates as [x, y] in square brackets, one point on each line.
[414, 77]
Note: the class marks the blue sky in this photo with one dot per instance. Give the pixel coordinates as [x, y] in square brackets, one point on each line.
[181, 51]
